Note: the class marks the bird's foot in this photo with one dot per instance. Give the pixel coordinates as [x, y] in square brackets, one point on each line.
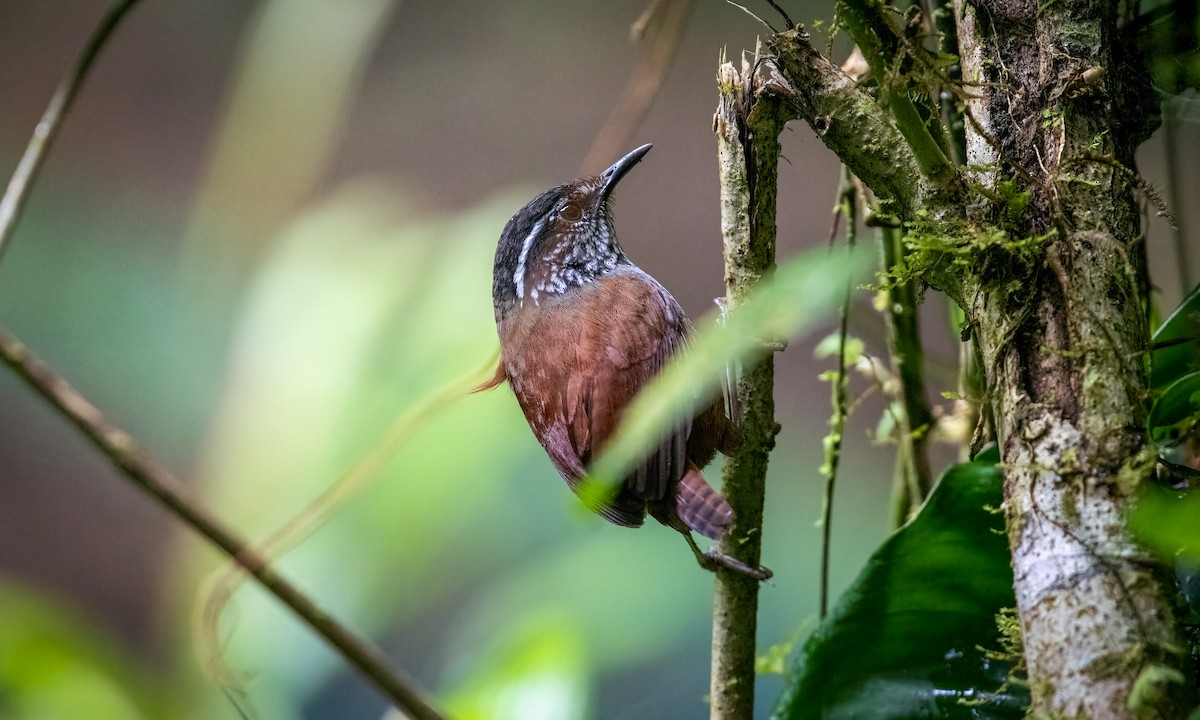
[712, 560]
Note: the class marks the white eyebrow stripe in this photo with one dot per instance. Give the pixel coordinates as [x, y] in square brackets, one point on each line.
[519, 275]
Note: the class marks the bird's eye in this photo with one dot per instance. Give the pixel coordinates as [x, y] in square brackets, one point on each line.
[571, 212]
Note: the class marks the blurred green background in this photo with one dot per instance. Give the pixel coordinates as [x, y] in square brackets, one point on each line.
[266, 231]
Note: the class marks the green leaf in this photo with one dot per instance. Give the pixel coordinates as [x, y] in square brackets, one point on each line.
[55, 663]
[802, 292]
[1181, 329]
[1174, 415]
[538, 671]
[1166, 522]
[907, 638]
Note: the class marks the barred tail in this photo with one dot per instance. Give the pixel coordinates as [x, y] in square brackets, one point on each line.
[700, 507]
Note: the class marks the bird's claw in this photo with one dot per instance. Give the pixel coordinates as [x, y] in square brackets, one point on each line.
[714, 559]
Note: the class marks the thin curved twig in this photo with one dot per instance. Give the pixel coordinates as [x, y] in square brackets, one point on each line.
[1174, 185]
[224, 582]
[154, 479]
[659, 30]
[47, 128]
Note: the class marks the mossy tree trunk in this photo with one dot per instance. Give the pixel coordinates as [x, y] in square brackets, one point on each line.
[1063, 339]
[1038, 238]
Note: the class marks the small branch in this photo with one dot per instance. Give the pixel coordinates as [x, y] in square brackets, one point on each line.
[787, 20]
[904, 346]
[659, 30]
[47, 128]
[881, 46]
[1174, 187]
[851, 123]
[157, 481]
[847, 209]
[949, 107]
[747, 123]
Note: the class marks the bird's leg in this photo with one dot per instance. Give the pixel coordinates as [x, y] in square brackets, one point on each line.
[714, 559]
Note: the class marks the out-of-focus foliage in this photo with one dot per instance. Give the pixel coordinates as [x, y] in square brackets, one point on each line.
[1168, 34]
[262, 170]
[1166, 519]
[539, 672]
[802, 292]
[916, 634]
[1180, 336]
[56, 664]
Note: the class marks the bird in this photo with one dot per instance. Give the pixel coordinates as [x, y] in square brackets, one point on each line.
[582, 330]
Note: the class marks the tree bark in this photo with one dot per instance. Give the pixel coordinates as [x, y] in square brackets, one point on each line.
[748, 121]
[1063, 341]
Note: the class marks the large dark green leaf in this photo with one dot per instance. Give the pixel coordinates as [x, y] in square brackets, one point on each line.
[1180, 334]
[906, 639]
[1168, 522]
[1173, 416]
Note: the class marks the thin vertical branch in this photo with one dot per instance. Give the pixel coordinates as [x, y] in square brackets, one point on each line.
[658, 30]
[904, 346]
[947, 103]
[847, 210]
[1174, 186]
[155, 480]
[47, 128]
[747, 124]
[968, 408]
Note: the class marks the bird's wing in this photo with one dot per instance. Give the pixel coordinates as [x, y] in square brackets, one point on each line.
[630, 329]
[579, 365]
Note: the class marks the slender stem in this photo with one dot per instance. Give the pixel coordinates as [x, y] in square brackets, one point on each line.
[967, 408]
[1174, 186]
[900, 501]
[870, 29]
[47, 128]
[747, 127]
[951, 110]
[904, 344]
[848, 208]
[154, 479]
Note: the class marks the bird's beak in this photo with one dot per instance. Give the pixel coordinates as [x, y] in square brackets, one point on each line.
[613, 175]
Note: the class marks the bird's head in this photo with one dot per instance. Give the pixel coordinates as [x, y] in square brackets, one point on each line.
[562, 239]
